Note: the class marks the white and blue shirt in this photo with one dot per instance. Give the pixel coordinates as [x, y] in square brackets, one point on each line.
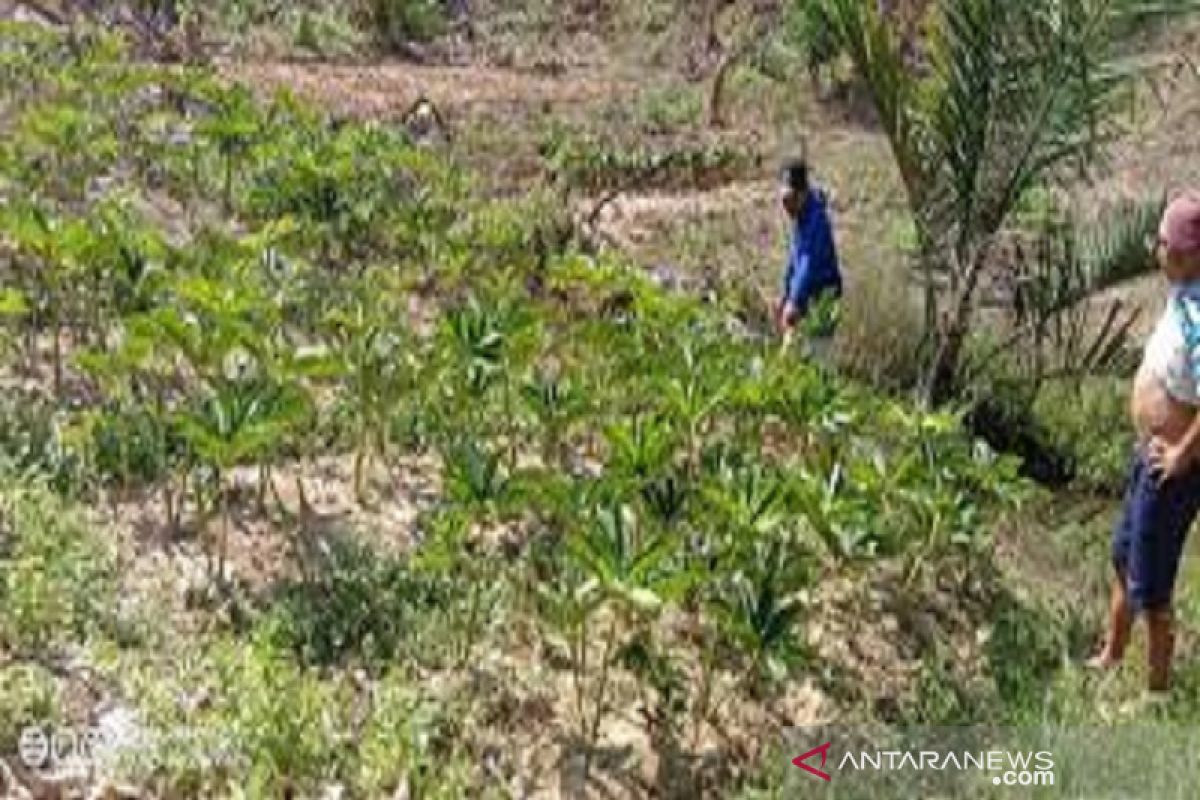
[1173, 351]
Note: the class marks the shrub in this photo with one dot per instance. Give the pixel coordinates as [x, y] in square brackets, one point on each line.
[398, 22]
[254, 723]
[361, 605]
[252, 720]
[33, 437]
[56, 578]
[588, 163]
[404, 743]
[1090, 420]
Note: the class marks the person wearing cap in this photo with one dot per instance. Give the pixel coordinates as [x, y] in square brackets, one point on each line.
[1163, 491]
[812, 270]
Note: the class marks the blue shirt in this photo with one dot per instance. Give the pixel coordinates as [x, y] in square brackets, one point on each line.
[812, 258]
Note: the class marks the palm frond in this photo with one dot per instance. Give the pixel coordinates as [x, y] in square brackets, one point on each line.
[1014, 93]
[862, 32]
[1077, 263]
[1069, 264]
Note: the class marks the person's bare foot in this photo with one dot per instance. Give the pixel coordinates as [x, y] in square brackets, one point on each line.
[1103, 661]
[1151, 702]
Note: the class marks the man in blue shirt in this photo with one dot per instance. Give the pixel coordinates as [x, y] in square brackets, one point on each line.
[812, 269]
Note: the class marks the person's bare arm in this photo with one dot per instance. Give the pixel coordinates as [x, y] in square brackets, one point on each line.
[1172, 459]
[787, 316]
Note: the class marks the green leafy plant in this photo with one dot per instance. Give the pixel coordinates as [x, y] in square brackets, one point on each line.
[641, 446]
[478, 337]
[761, 606]
[49, 262]
[232, 129]
[238, 424]
[374, 368]
[823, 317]
[473, 577]
[753, 608]
[584, 164]
[28, 697]
[404, 744]
[475, 476]
[626, 576]
[36, 437]
[554, 404]
[666, 498]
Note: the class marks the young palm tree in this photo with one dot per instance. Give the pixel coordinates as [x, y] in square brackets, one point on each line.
[1009, 96]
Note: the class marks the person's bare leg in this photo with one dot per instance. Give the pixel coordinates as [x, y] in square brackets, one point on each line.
[1160, 648]
[1120, 623]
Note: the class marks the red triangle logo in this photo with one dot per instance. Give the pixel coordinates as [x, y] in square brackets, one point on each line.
[823, 750]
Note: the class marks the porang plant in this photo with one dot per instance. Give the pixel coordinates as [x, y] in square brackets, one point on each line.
[619, 489]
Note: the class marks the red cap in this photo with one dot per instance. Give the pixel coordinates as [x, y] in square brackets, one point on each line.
[1180, 229]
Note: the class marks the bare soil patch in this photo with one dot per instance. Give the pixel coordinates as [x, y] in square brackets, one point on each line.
[387, 91]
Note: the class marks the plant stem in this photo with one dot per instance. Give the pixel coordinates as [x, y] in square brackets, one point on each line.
[229, 182]
[703, 699]
[593, 731]
[580, 660]
[360, 459]
[31, 348]
[472, 619]
[264, 480]
[57, 356]
[750, 672]
[220, 501]
[169, 504]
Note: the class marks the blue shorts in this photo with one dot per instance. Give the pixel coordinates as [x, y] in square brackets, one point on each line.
[1148, 541]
